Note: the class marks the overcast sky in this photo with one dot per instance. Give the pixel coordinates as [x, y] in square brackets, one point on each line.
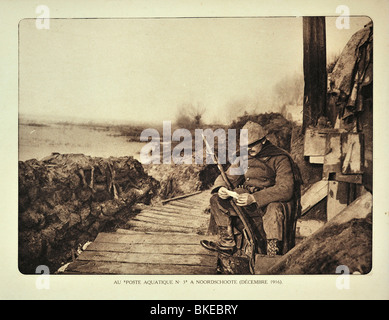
[144, 69]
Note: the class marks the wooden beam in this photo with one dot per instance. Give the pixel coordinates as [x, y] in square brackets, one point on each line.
[317, 192]
[349, 178]
[315, 70]
[305, 228]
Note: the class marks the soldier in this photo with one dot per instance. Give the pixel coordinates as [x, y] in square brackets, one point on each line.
[269, 192]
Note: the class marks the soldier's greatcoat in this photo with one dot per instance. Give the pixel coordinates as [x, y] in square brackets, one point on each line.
[271, 177]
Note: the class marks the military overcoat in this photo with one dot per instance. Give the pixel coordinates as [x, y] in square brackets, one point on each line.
[271, 176]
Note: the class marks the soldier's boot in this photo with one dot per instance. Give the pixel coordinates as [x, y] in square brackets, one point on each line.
[272, 247]
[226, 242]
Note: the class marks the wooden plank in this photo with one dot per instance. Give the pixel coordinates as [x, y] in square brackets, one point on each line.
[183, 205]
[169, 216]
[152, 226]
[168, 243]
[337, 198]
[166, 209]
[305, 228]
[165, 234]
[358, 209]
[156, 258]
[198, 200]
[163, 219]
[177, 215]
[316, 159]
[192, 249]
[180, 205]
[143, 237]
[349, 178]
[162, 229]
[109, 267]
[173, 214]
[352, 153]
[314, 143]
[197, 204]
[177, 210]
[168, 221]
[317, 192]
[332, 159]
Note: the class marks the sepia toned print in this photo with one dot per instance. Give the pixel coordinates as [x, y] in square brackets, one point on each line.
[131, 131]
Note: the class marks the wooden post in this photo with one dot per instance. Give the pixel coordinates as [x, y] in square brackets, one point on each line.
[315, 70]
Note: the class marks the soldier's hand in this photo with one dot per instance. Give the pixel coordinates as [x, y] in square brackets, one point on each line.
[245, 199]
[223, 193]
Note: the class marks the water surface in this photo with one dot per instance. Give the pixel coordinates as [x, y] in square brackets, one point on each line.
[37, 141]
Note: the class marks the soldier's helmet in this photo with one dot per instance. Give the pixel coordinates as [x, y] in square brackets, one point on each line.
[255, 132]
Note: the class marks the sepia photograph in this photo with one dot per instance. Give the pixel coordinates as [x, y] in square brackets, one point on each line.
[97, 196]
[199, 152]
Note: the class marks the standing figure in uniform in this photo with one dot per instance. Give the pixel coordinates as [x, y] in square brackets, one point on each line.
[269, 193]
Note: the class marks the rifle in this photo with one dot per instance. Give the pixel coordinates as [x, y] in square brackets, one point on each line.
[247, 231]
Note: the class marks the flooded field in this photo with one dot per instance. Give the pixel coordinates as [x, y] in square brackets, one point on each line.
[37, 141]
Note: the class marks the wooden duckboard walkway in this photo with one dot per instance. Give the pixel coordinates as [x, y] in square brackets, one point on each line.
[162, 239]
